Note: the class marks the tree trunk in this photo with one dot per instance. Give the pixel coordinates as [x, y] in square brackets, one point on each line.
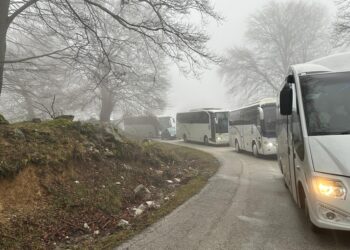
[4, 10]
[29, 105]
[107, 104]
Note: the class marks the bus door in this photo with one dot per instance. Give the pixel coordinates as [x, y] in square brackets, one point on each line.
[294, 136]
[212, 126]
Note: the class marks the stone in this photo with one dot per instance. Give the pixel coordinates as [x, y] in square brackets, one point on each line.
[123, 223]
[3, 121]
[142, 192]
[18, 134]
[178, 180]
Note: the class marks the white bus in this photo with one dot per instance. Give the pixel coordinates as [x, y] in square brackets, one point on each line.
[209, 126]
[142, 126]
[253, 128]
[313, 135]
[149, 126]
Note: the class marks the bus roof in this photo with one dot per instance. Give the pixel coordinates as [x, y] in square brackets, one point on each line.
[333, 63]
[208, 110]
[265, 101]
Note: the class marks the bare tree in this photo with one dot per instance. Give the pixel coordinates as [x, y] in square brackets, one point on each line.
[163, 23]
[342, 25]
[278, 35]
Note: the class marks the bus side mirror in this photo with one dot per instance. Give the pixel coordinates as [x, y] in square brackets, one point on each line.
[286, 100]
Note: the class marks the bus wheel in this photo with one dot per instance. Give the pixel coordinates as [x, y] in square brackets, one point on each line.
[255, 150]
[206, 141]
[184, 137]
[238, 150]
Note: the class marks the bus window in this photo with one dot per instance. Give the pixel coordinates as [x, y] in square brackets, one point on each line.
[221, 122]
[269, 122]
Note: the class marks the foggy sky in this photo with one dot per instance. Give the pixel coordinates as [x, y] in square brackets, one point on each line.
[210, 91]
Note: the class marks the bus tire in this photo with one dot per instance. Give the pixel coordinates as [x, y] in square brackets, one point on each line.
[205, 140]
[238, 149]
[255, 150]
[184, 137]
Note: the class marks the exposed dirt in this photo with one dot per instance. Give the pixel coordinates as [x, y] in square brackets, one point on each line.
[66, 184]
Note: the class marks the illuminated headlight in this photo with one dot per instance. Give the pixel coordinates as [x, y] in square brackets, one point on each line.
[330, 188]
[268, 144]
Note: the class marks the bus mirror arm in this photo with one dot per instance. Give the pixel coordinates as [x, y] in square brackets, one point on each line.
[286, 100]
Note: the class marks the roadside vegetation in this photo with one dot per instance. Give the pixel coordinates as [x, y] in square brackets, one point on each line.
[77, 185]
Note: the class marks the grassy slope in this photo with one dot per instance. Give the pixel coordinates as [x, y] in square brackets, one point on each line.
[57, 175]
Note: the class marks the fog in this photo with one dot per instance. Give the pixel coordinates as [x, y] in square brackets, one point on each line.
[209, 90]
[53, 70]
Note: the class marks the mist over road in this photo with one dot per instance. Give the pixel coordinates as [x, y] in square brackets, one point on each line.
[244, 206]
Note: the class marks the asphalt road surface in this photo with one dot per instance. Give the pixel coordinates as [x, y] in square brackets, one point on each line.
[244, 206]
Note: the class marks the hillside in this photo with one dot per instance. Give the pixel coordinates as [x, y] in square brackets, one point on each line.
[68, 184]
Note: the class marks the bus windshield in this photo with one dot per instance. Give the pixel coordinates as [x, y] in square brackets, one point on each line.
[326, 103]
[165, 122]
[269, 122]
[221, 124]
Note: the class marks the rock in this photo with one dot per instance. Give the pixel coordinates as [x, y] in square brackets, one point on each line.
[138, 211]
[36, 120]
[177, 180]
[86, 226]
[152, 204]
[118, 183]
[108, 153]
[142, 192]
[3, 121]
[159, 172]
[96, 232]
[170, 181]
[76, 182]
[18, 134]
[123, 223]
[166, 198]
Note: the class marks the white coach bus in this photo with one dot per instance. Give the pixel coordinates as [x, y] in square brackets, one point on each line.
[253, 128]
[209, 126]
[313, 135]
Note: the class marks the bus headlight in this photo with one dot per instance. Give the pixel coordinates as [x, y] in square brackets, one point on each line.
[330, 188]
[268, 144]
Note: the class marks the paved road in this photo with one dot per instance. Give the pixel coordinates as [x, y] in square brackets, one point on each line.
[244, 206]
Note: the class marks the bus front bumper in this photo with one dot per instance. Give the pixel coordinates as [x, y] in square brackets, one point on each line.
[221, 139]
[328, 217]
[331, 213]
[269, 148]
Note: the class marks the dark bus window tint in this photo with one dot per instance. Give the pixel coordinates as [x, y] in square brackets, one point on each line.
[326, 103]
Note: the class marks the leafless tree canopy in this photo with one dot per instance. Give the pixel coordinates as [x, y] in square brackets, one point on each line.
[278, 35]
[342, 26]
[117, 48]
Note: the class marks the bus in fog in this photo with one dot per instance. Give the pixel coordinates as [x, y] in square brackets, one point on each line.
[253, 128]
[149, 126]
[209, 126]
[313, 136]
[142, 126]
